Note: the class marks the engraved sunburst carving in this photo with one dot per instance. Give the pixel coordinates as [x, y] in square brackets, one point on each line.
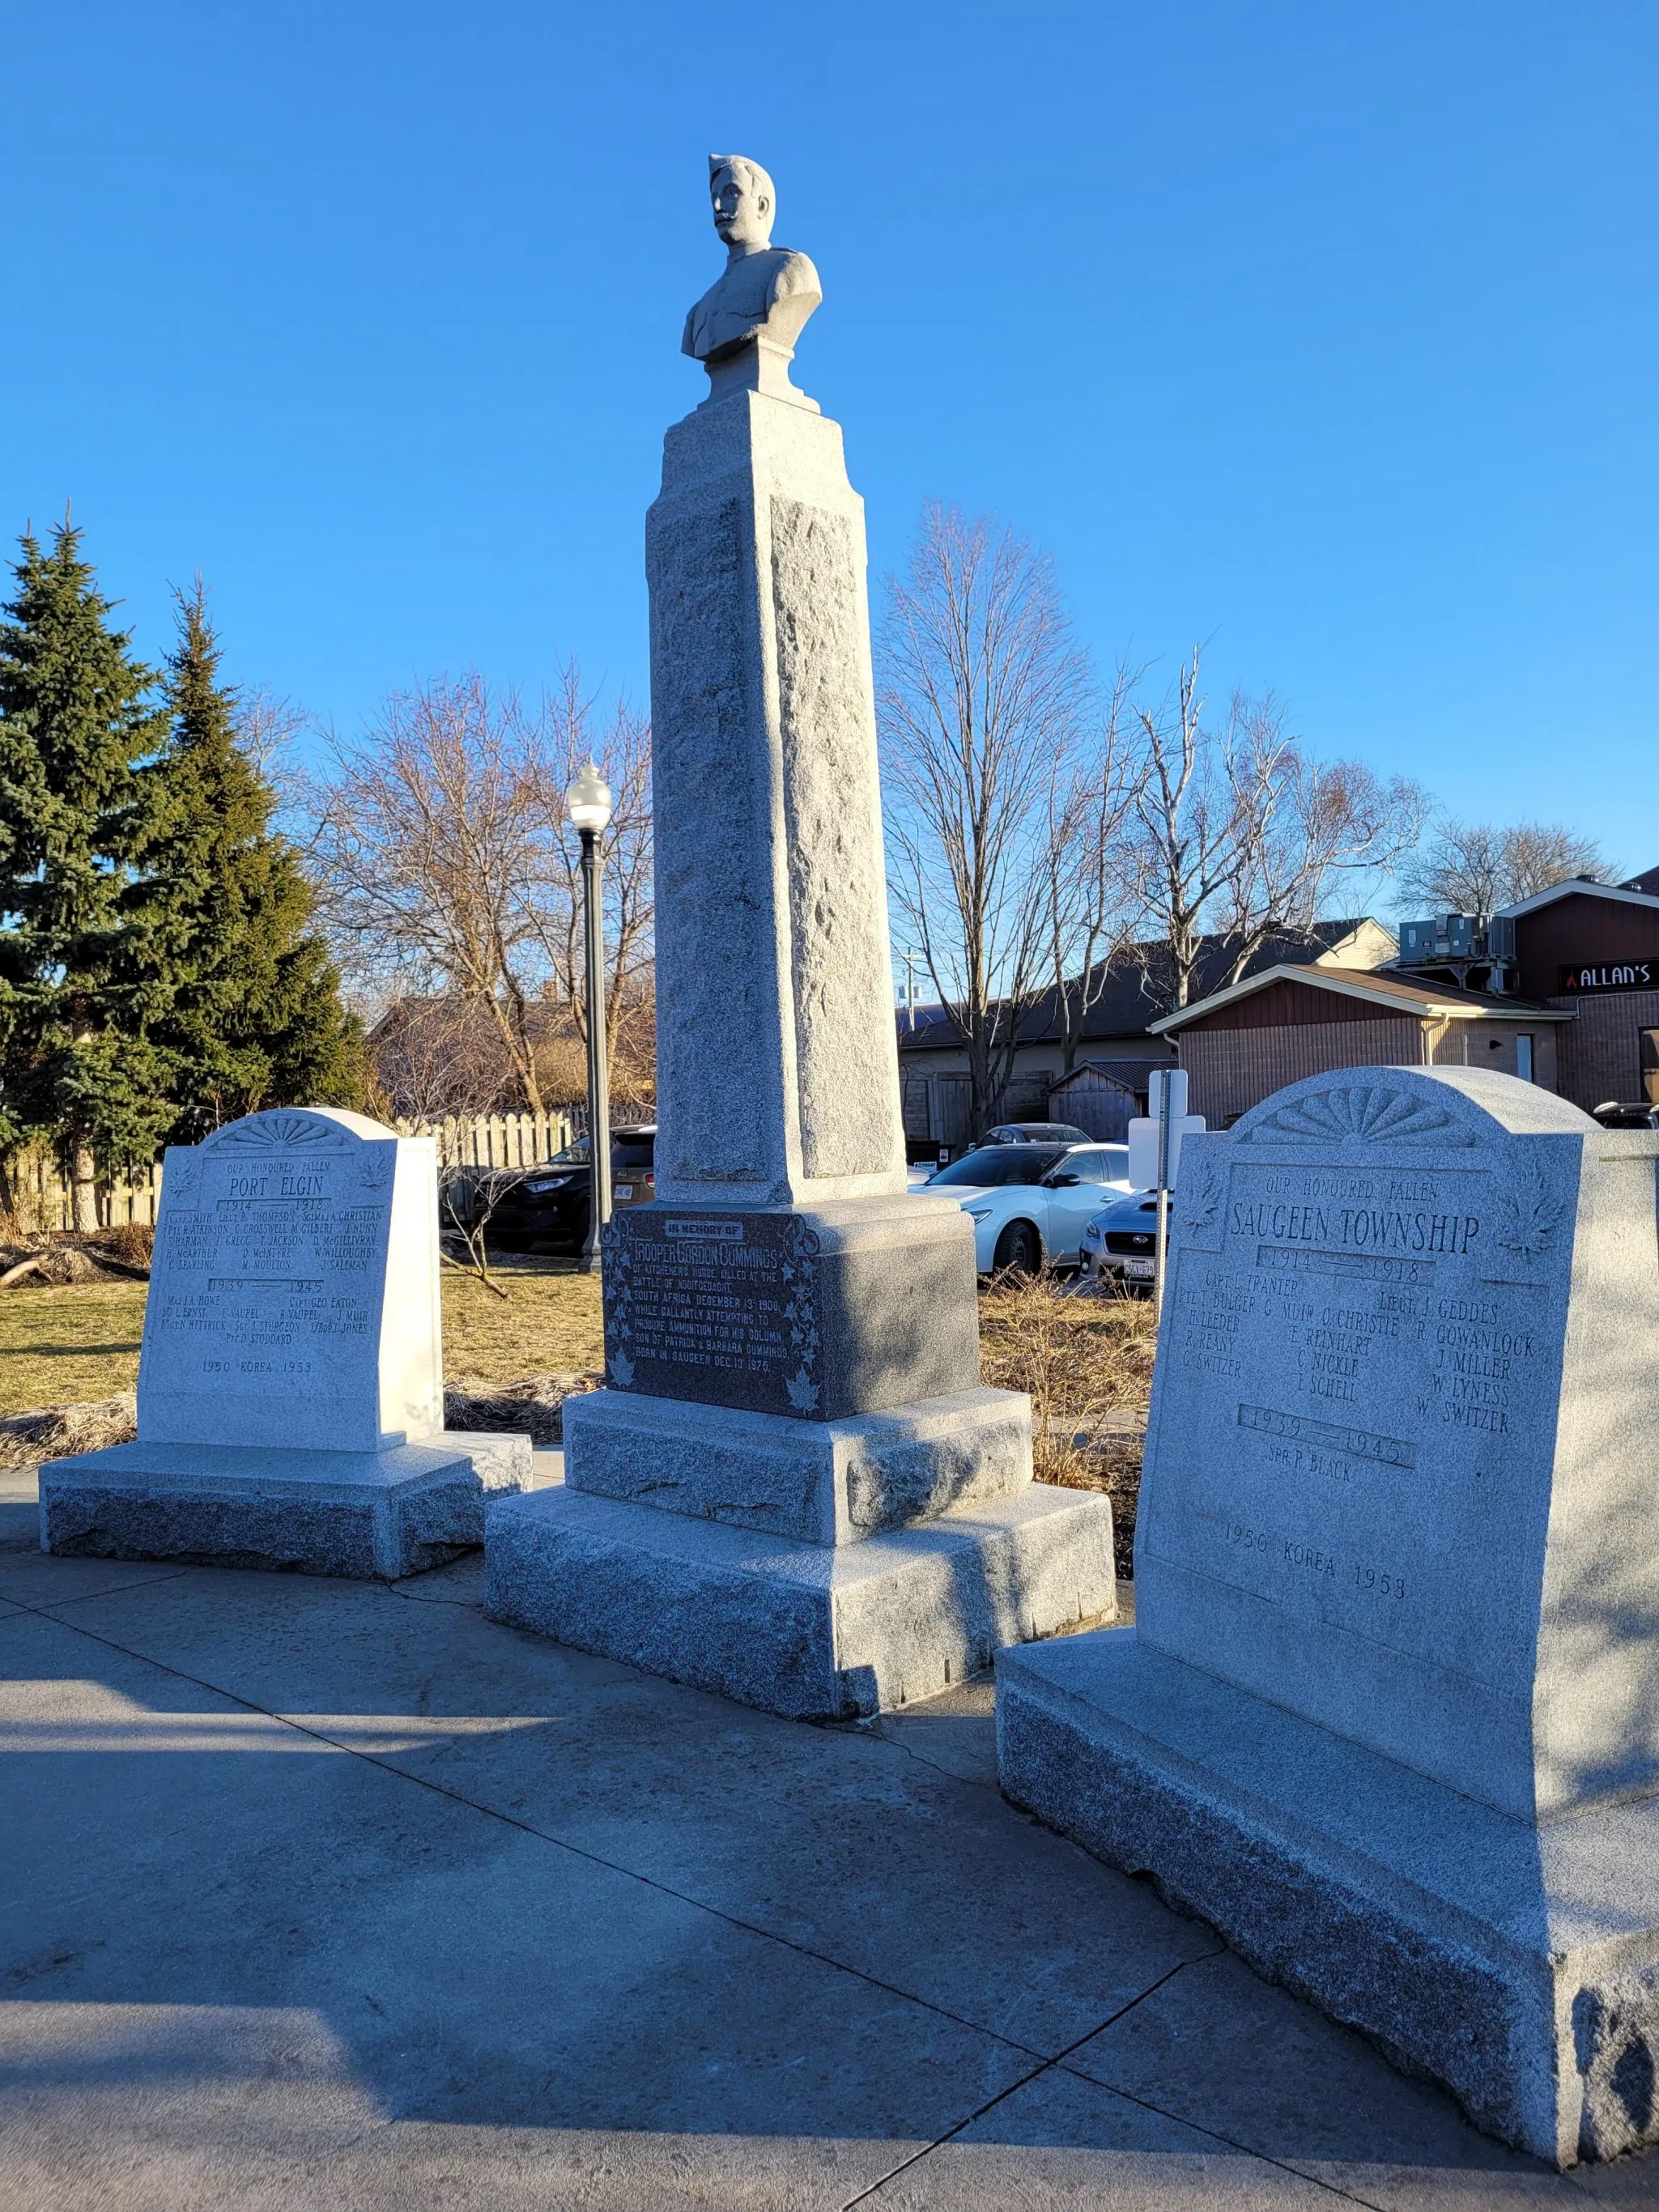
[1372, 1113]
[289, 1128]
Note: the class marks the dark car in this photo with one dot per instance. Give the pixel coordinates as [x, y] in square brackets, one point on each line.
[547, 1208]
[1635, 1113]
[1036, 1133]
[1120, 1241]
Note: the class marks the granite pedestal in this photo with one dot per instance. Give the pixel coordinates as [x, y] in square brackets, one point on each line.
[815, 1632]
[1518, 1965]
[1389, 1715]
[382, 1514]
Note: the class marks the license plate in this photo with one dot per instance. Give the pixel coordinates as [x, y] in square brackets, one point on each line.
[1142, 1270]
[624, 1190]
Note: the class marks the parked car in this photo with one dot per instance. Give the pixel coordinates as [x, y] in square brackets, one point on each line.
[1120, 1241]
[1636, 1114]
[1036, 1133]
[1028, 1203]
[547, 1208]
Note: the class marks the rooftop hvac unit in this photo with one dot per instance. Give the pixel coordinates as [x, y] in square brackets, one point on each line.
[1443, 937]
[1500, 937]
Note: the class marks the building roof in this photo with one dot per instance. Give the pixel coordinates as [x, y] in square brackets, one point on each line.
[1582, 887]
[1438, 1002]
[1129, 992]
[1131, 1074]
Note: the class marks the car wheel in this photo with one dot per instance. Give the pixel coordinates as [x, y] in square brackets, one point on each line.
[1019, 1250]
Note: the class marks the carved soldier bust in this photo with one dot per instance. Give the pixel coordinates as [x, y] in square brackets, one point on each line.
[744, 327]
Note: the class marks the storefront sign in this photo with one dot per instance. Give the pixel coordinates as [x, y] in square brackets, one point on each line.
[1612, 975]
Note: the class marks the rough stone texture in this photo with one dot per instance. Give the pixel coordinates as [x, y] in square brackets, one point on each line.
[813, 1632]
[1398, 1486]
[1404, 1425]
[816, 1482]
[1516, 1965]
[771, 911]
[840, 967]
[371, 1514]
[293, 1294]
[818, 1312]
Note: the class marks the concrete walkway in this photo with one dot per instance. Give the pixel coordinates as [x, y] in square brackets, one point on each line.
[335, 1895]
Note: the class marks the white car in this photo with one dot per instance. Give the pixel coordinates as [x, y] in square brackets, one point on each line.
[1030, 1204]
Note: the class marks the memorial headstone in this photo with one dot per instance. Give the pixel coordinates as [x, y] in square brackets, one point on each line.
[290, 1384]
[1389, 1714]
[793, 1488]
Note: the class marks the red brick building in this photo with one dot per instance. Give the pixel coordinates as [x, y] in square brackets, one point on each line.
[1574, 1005]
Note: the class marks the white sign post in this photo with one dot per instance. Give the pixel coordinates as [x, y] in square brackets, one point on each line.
[1155, 1145]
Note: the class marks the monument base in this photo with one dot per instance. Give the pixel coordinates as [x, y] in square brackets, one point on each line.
[377, 1515]
[815, 1482]
[1518, 1965]
[814, 1632]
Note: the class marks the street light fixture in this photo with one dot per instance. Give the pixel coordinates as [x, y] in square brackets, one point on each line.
[588, 802]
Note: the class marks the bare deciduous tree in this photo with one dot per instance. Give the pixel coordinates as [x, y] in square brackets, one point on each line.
[267, 726]
[448, 867]
[1095, 888]
[429, 837]
[561, 746]
[1471, 867]
[981, 694]
[1243, 835]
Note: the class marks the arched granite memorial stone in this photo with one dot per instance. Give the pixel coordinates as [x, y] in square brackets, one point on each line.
[1389, 1714]
[290, 1384]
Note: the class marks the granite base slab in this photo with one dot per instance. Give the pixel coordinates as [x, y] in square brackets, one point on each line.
[372, 1515]
[816, 1482]
[1518, 1965]
[813, 1632]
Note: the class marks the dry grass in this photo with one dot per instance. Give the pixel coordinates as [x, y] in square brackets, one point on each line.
[79, 1342]
[72, 1342]
[1086, 1359]
[549, 1322]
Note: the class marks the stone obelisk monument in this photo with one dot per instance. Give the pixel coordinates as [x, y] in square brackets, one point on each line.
[793, 1488]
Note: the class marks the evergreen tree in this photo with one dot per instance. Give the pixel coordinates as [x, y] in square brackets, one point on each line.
[239, 995]
[77, 720]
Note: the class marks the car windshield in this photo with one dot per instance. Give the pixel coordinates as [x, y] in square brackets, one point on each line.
[630, 1151]
[994, 1165]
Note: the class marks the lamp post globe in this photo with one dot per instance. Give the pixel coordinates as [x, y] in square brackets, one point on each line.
[588, 804]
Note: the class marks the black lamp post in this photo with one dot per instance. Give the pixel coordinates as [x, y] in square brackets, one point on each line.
[589, 803]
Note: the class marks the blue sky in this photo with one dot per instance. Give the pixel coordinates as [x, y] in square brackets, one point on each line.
[1322, 330]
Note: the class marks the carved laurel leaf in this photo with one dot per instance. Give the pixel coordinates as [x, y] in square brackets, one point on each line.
[182, 1178]
[1374, 1113]
[1531, 1214]
[1200, 1195]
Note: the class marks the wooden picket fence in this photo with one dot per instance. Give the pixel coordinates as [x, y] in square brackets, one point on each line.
[494, 1141]
[41, 1195]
